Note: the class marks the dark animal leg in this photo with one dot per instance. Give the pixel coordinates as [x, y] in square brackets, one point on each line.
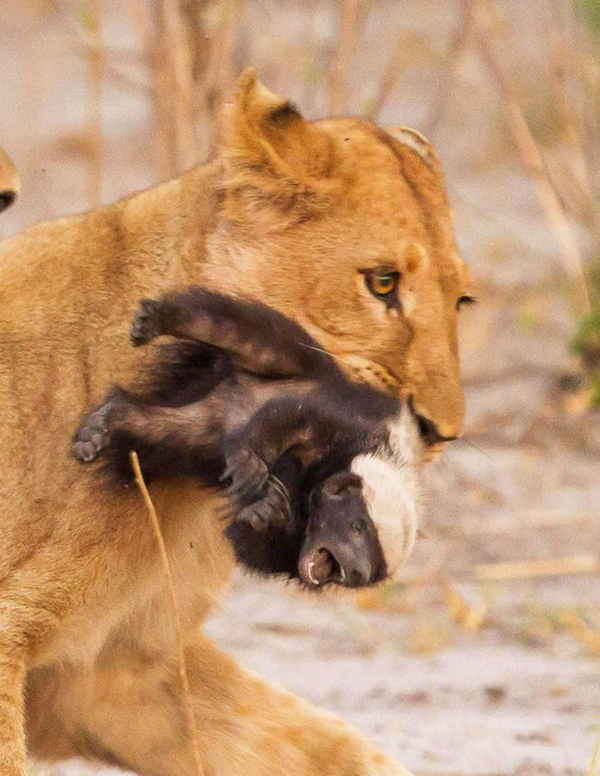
[260, 339]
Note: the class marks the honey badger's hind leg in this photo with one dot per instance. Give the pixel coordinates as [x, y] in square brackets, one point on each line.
[259, 339]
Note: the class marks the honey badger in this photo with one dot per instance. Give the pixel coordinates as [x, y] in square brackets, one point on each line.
[321, 472]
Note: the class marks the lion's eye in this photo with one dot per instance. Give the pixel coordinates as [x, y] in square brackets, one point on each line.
[382, 283]
[465, 299]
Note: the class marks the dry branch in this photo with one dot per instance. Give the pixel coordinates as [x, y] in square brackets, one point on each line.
[95, 76]
[578, 564]
[533, 162]
[185, 684]
[348, 11]
[449, 73]
[177, 43]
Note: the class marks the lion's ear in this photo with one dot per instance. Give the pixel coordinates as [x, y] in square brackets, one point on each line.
[272, 157]
[416, 142]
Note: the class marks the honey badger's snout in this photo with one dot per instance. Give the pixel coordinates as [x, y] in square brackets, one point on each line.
[341, 544]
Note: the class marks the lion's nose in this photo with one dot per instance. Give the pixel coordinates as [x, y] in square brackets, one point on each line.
[429, 432]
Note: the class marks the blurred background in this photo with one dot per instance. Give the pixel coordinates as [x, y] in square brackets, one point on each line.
[485, 657]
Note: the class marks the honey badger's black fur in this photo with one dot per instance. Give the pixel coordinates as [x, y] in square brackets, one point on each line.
[246, 388]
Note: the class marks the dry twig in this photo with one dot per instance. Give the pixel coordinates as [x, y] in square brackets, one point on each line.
[185, 684]
[348, 11]
[449, 73]
[534, 164]
[95, 76]
[578, 564]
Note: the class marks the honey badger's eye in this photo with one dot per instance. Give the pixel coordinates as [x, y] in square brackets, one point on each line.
[382, 283]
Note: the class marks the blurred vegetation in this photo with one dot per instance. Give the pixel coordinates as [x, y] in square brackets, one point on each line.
[591, 11]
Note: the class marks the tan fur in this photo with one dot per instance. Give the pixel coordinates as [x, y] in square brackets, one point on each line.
[288, 212]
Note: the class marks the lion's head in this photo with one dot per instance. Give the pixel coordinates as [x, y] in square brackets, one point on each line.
[346, 228]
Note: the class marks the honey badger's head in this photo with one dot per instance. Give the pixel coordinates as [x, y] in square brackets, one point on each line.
[363, 520]
[379, 489]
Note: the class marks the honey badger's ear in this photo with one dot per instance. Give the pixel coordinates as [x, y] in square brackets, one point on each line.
[416, 142]
[9, 181]
[272, 157]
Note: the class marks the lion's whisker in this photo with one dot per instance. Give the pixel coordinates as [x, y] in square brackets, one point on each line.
[475, 447]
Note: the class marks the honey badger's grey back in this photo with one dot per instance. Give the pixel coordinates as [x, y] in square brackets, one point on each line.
[259, 339]
[9, 181]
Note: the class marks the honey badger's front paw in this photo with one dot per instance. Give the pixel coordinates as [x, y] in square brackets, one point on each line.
[272, 510]
[93, 435]
[248, 474]
[145, 325]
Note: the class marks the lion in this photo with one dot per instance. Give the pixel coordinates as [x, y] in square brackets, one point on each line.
[340, 225]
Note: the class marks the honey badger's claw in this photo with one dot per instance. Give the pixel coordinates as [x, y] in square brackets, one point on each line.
[248, 474]
[271, 510]
[85, 451]
[145, 323]
[93, 435]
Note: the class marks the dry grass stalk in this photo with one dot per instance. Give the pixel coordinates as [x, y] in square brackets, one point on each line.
[348, 12]
[567, 44]
[578, 564]
[217, 80]
[533, 162]
[574, 623]
[149, 42]
[408, 49]
[95, 76]
[448, 77]
[594, 760]
[179, 64]
[469, 612]
[185, 684]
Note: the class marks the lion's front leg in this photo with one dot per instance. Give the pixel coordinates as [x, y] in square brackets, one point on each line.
[12, 740]
[129, 713]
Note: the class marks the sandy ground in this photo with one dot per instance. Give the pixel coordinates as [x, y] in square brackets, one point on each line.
[450, 675]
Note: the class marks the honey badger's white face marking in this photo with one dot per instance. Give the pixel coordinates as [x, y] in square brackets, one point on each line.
[391, 489]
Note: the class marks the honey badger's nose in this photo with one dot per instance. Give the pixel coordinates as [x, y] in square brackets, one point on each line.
[329, 564]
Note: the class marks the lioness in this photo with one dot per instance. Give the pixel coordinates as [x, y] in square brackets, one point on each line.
[340, 225]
